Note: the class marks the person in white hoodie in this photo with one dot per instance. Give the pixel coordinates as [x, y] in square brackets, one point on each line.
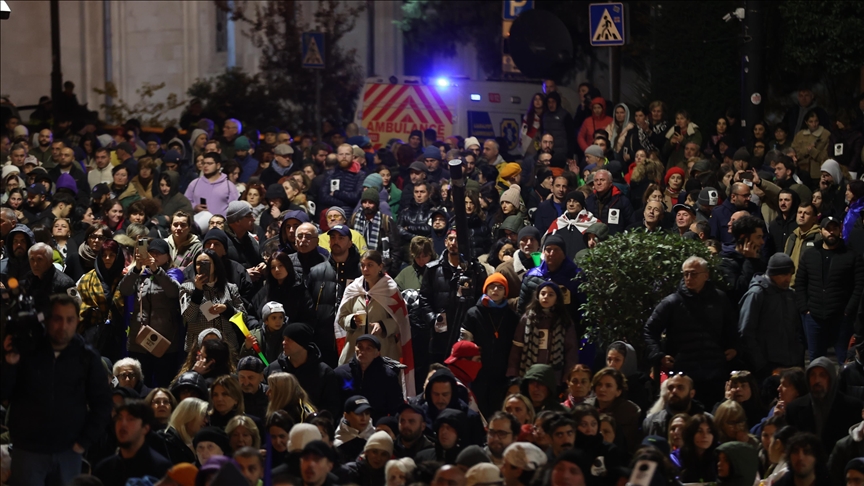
[101, 170]
[354, 428]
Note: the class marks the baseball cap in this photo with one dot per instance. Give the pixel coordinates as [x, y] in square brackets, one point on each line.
[372, 339]
[357, 404]
[321, 449]
[101, 189]
[158, 245]
[341, 229]
[270, 308]
[679, 207]
[825, 221]
[36, 189]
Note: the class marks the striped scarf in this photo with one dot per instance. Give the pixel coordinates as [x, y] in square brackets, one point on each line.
[533, 336]
[370, 230]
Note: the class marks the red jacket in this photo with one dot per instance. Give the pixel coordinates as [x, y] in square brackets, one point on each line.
[593, 123]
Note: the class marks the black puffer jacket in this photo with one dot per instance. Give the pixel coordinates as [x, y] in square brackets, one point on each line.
[738, 271]
[480, 236]
[414, 221]
[326, 285]
[293, 296]
[350, 188]
[699, 328]
[380, 384]
[438, 294]
[851, 380]
[829, 293]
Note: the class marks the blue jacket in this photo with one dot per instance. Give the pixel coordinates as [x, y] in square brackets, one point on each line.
[563, 277]
[248, 166]
[546, 214]
[350, 189]
[720, 217]
[57, 402]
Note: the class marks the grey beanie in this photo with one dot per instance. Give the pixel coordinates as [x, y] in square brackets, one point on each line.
[237, 210]
[780, 264]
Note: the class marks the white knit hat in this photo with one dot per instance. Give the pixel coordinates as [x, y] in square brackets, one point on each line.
[471, 141]
[524, 455]
[512, 195]
[381, 441]
[302, 434]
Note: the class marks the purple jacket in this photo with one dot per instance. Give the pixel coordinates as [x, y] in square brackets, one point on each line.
[218, 194]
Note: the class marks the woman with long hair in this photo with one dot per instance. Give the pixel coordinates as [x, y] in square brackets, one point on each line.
[283, 285]
[696, 457]
[371, 305]
[102, 304]
[186, 420]
[609, 387]
[95, 236]
[254, 195]
[532, 124]
[163, 404]
[546, 320]
[243, 432]
[143, 182]
[114, 216]
[731, 422]
[15, 202]
[589, 440]
[286, 394]
[208, 359]
[210, 300]
[61, 230]
[226, 400]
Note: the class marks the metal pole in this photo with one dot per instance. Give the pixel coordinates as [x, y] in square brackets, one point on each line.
[752, 60]
[231, 51]
[370, 41]
[318, 103]
[615, 74]
[56, 74]
[109, 64]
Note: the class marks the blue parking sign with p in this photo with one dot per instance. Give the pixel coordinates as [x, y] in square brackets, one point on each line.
[512, 8]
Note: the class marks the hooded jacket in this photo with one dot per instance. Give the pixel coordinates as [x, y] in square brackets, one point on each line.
[475, 433]
[798, 243]
[380, 384]
[738, 271]
[492, 329]
[593, 123]
[159, 308]
[699, 329]
[545, 375]
[457, 420]
[770, 326]
[848, 448]
[318, 379]
[349, 442]
[830, 417]
[174, 201]
[743, 464]
[12, 266]
[616, 133]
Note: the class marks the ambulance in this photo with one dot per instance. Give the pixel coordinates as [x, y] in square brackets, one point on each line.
[393, 107]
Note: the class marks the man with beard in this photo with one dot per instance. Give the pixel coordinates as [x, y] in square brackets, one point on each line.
[828, 289]
[784, 172]
[250, 372]
[326, 280]
[514, 270]
[212, 191]
[442, 305]
[15, 263]
[67, 164]
[42, 152]
[37, 201]
[825, 411]
[503, 430]
[440, 224]
[785, 222]
[134, 459]
[562, 432]
[681, 393]
[379, 230]
[549, 210]
[414, 216]
[806, 235]
[805, 455]
[739, 264]
[343, 185]
[417, 173]
[411, 440]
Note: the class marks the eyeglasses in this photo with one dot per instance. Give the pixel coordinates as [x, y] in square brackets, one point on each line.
[499, 434]
[126, 375]
[97, 238]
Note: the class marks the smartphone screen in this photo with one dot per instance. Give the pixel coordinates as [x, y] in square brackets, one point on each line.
[205, 268]
[203, 201]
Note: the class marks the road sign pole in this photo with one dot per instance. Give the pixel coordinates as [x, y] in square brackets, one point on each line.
[615, 73]
[318, 104]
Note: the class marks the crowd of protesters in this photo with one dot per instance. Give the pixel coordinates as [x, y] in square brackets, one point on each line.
[225, 305]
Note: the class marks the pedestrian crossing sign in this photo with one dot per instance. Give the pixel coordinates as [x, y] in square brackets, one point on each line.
[313, 50]
[607, 24]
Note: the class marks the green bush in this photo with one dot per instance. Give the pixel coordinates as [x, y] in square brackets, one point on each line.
[626, 277]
